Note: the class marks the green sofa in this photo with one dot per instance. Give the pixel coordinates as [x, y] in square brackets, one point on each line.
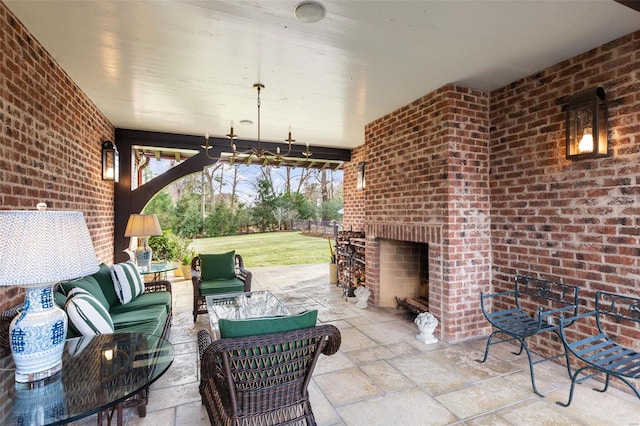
[149, 313]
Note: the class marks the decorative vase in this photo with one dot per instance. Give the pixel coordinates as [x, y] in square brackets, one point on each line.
[426, 323]
[362, 295]
[37, 335]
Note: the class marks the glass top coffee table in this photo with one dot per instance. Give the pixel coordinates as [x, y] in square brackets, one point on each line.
[253, 304]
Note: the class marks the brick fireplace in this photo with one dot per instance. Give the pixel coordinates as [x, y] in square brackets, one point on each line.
[426, 167]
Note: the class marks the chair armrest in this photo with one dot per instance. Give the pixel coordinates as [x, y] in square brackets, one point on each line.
[204, 340]
[154, 286]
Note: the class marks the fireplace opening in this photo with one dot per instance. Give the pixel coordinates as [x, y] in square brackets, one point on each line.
[404, 275]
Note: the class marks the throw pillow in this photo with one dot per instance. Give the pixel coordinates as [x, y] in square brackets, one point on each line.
[88, 283]
[86, 314]
[218, 266]
[266, 325]
[127, 281]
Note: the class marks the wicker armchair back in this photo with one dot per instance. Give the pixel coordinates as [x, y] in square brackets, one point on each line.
[262, 379]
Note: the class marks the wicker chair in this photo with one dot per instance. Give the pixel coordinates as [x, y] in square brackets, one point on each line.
[199, 301]
[262, 380]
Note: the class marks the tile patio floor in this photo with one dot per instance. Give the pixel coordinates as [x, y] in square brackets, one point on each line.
[383, 376]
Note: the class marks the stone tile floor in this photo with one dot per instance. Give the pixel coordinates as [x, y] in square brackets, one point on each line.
[383, 376]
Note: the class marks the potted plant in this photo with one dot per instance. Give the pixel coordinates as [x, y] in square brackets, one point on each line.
[187, 257]
[167, 248]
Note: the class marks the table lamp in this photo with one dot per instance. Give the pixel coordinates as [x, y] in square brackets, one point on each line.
[39, 249]
[143, 226]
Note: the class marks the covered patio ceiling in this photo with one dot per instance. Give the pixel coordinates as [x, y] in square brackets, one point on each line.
[188, 67]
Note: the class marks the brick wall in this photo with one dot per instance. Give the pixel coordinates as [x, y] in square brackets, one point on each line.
[573, 221]
[50, 140]
[428, 182]
[354, 199]
[515, 205]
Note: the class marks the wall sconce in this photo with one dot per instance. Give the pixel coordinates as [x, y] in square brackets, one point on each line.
[587, 125]
[110, 162]
[360, 182]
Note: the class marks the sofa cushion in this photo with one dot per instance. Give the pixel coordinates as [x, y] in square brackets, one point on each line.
[127, 281]
[103, 276]
[157, 298]
[154, 314]
[233, 285]
[218, 266]
[86, 314]
[266, 325]
[88, 283]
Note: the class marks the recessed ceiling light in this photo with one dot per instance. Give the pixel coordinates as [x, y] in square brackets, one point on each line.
[246, 122]
[310, 11]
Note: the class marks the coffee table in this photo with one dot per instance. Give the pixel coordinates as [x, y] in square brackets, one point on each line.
[252, 304]
[99, 373]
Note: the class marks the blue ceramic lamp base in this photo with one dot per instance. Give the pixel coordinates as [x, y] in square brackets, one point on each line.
[37, 336]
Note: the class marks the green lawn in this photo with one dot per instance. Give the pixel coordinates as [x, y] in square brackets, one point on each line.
[270, 248]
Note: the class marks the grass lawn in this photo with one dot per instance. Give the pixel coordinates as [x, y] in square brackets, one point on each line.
[269, 249]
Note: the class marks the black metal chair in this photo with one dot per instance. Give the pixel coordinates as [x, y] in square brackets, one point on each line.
[544, 300]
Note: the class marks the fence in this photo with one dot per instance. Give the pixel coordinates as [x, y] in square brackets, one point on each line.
[324, 227]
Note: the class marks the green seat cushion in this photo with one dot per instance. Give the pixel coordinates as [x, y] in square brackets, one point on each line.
[218, 266]
[158, 298]
[233, 285]
[266, 325]
[88, 283]
[103, 276]
[153, 314]
[149, 328]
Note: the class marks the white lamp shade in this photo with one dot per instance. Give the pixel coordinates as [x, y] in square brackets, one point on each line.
[142, 225]
[42, 247]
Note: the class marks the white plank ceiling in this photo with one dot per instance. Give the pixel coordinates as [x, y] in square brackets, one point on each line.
[189, 66]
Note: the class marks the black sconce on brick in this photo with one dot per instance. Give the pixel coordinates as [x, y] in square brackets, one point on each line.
[110, 162]
[586, 115]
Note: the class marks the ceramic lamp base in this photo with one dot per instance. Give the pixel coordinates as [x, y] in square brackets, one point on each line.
[37, 336]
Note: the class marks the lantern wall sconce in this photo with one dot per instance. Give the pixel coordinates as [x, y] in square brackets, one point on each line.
[110, 162]
[360, 182]
[586, 115]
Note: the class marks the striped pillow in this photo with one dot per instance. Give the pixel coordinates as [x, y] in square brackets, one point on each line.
[127, 281]
[86, 314]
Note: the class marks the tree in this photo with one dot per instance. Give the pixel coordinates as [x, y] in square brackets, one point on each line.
[162, 206]
[265, 204]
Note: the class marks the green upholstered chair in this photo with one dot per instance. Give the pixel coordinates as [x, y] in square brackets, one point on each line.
[217, 273]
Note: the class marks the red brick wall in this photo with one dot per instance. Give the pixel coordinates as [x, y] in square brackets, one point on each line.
[428, 181]
[572, 221]
[354, 199]
[50, 140]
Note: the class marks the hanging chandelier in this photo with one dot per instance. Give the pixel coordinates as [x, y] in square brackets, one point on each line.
[255, 154]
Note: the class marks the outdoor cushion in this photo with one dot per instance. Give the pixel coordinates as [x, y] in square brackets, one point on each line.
[266, 325]
[158, 298]
[154, 314]
[233, 285]
[103, 276]
[88, 283]
[86, 314]
[218, 266]
[127, 281]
